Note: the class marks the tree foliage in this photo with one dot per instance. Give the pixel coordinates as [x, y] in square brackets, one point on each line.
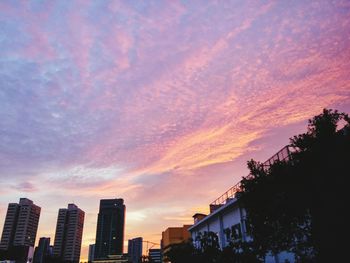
[180, 253]
[299, 205]
[208, 250]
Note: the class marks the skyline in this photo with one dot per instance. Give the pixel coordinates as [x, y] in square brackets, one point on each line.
[158, 103]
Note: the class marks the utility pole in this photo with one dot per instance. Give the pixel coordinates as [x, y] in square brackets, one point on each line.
[149, 242]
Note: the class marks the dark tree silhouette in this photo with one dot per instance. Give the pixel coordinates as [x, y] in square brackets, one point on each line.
[299, 205]
[181, 253]
[238, 251]
[186, 252]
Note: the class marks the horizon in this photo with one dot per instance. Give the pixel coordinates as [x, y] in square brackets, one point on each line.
[158, 103]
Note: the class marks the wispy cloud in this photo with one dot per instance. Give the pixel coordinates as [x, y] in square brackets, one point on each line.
[25, 187]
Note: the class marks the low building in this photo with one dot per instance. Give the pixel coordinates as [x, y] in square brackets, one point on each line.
[228, 216]
[42, 251]
[155, 255]
[174, 235]
[135, 249]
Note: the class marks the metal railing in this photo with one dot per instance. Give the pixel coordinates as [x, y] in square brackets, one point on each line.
[282, 155]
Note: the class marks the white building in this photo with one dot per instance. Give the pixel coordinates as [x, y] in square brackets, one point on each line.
[226, 213]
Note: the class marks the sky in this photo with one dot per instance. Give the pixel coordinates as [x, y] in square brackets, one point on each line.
[160, 103]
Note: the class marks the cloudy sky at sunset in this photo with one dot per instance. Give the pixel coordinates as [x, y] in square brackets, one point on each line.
[160, 103]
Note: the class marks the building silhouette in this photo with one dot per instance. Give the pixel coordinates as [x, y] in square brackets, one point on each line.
[42, 251]
[110, 229]
[19, 232]
[69, 232]
[135, 249]
[91, 253]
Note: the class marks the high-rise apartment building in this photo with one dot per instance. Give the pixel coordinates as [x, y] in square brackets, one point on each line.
[110, 228]
[21, 224]
[69, 232]
[135, 249]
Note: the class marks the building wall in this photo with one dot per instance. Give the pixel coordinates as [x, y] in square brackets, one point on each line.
[9, 229]
[175, 235]
[227, 216]
[60, 232]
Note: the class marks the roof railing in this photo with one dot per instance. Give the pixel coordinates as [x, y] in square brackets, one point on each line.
[282, 155]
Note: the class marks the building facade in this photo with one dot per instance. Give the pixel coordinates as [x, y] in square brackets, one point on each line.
[135, 249]
[110, 229]
[172, 236]
[69, 232]
[155, 255]
[175, 235]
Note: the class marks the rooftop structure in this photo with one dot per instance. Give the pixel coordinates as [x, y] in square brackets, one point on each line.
[282, 155]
